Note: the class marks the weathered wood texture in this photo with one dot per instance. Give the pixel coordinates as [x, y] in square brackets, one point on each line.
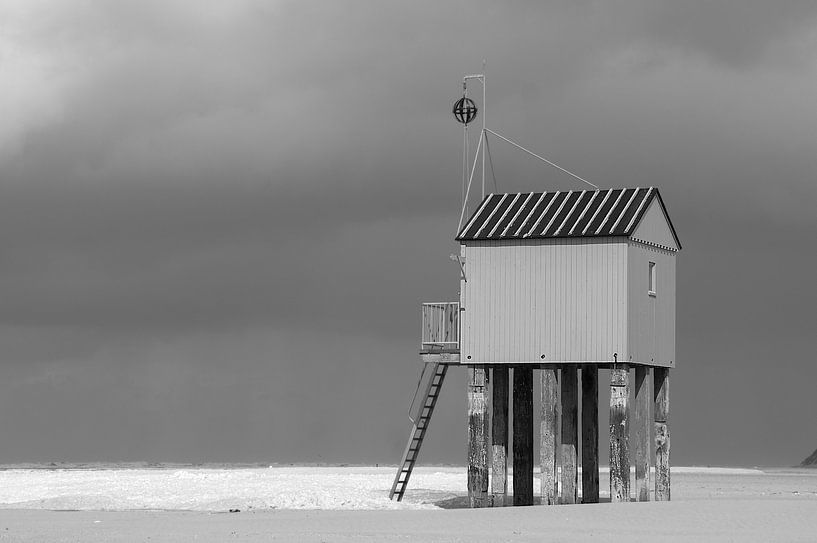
[441, 324]
[642, 434]
[523, 435]
[477, 437]
[661, 415]
[499, 435]
[619, 434]
[590, 434]
[570, 433]
[549, 434]
[558, 431]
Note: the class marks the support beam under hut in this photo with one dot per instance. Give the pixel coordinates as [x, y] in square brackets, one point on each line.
[478, 436]
[549, 438]
[590, 434]
[642, 434]
[499, 435]
[570, 433]
[619, 433]
[661, 415]
[523, 435]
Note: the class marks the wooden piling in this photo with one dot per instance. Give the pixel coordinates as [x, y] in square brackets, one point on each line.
[590, 434]
[549, 434]
[619, 434]
[642, 434]
[662, 442]
[499, 435]
[570, 433]
[477, 437]
[523, 435]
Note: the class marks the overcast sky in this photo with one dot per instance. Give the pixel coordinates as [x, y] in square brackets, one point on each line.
[218, 219]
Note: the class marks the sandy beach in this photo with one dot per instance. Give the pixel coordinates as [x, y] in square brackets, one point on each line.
[705, 520]
[709, 504]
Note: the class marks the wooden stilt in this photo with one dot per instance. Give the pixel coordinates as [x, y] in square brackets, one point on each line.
[590, 434]
[499, 435]
[523, 435]
[642, 433]
[661, 415]
[570, 433]
[619, 433]
[477, 437]
[558, 431]
[549, 434]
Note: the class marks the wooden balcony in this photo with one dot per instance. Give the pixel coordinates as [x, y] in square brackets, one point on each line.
[441, 332]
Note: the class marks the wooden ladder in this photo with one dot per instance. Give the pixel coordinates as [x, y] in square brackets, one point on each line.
[418, 432]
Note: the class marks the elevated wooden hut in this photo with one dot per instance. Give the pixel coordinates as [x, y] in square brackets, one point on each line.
[563, 283]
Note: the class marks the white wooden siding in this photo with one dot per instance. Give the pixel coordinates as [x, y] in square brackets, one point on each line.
[651, 318]
[564, 298]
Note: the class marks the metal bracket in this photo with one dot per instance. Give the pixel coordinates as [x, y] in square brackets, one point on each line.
[461, 261]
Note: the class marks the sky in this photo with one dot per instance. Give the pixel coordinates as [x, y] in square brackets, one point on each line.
[218, 220]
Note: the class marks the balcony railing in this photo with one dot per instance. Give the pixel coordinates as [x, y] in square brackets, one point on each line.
[441, 326]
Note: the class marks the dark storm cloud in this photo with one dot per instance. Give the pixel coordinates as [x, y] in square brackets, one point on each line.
[193, 190]
[736, 33]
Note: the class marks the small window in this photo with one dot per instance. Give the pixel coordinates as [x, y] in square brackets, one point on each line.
[651, 279]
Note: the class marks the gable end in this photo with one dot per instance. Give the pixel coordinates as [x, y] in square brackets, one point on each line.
[652, 225]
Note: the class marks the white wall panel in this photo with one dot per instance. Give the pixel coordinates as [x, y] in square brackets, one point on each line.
[563, 298]
[651, 319]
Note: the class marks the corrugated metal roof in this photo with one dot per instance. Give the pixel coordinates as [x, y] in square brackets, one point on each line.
[560, 214]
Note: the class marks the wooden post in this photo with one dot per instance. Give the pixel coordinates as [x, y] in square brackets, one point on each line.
[477, 437]
[590, 434]
[499, 435]
[549, 434]
[642, 433]
[570, 433]
[619, 433]
[661, 413]
[558, 431]
[523, 435]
